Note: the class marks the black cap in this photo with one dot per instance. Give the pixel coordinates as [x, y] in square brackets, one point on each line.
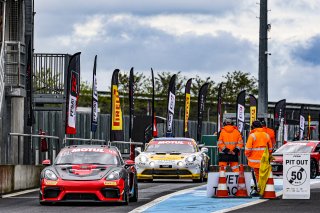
[256, 124]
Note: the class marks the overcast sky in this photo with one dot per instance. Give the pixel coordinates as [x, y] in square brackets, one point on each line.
[204, 37]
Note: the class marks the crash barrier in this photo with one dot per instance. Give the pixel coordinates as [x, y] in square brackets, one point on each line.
[231, 181]
[35, 146]
[18, 177]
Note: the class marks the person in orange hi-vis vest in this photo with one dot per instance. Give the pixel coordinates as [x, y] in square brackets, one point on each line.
[230, 143]
[269, 131]
[255, 146]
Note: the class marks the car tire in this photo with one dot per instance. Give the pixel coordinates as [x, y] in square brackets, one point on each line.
[313, 169]
[135, 195]
[201, 179]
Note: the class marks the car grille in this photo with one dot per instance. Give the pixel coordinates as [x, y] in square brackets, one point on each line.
[51, 192]
[166, 172]
[110, 193]
[80, 196]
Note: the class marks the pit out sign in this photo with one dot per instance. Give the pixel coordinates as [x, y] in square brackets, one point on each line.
[296, 176]
[232, 182]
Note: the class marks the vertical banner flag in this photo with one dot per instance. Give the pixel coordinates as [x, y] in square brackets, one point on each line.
[29, 88]
[219, 109]
[131, 101]
[73, 90]
[171, 105]
[131, 111]
[279, 120]
[253, 109]
[302, 121]
[201, 103]
[94, 104]
[153, 116]
[116, 130]
[187, 108]
[309, 125]
[240, 110]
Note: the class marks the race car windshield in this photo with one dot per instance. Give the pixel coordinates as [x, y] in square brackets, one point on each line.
[100, 158]
[168, 148]
[294, 148]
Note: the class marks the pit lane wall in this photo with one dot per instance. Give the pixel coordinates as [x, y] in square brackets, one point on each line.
[18, 177]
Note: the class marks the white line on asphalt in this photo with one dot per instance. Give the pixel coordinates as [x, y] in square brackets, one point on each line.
[19, 193]
[22, 197]
[160, 199]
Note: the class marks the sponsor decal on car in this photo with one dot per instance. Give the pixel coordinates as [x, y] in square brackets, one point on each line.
[172, 142]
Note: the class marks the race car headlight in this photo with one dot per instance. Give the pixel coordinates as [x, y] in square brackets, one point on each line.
[180, 163]
[143, 159]
[191, 158]
[113, 176]
[152, 164]
[50, 175]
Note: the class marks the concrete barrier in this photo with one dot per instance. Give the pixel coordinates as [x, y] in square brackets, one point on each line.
[19, 177]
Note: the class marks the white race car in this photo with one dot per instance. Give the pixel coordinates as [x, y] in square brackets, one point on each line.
[172, 158]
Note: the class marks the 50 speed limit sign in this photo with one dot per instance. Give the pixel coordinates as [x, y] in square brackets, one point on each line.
[296, 176]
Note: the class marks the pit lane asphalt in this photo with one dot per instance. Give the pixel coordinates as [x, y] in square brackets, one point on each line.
[283, 205]
[147, 192]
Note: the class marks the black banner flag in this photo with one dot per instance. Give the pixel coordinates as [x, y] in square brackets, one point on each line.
[201, 104]
[219, 109]
[153, 113]
[131, 101]
[187, 108]
[279, 120]
[241, 99]
[73, 90]
[94, 104]
[116, 130]
[171, 105]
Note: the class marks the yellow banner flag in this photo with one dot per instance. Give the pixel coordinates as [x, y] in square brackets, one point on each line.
[264, 171]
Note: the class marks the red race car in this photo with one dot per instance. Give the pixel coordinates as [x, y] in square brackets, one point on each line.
[312, 147]
[88, 173]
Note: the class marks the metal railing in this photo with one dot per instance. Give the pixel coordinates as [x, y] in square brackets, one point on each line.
[48, 72]
[15, 64]
[35, 146]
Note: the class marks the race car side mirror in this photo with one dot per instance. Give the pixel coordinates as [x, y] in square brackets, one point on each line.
[204, 149]
[46, 162]
[138, 149]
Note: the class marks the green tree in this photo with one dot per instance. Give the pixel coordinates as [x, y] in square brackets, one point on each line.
[235, 82]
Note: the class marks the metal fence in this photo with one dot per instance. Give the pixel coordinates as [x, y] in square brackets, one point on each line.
[51, 123]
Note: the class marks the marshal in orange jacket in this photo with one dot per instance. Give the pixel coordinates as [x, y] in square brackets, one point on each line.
[230, 138]
[255, 146]
[270, 132]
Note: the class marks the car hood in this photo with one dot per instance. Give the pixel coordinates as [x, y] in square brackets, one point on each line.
[82, 172]
[167, 156]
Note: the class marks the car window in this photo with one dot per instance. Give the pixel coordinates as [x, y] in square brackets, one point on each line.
[87, 156]
[294, 148]
[317, 149]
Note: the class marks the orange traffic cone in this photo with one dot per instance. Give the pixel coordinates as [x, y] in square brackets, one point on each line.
[269, 192]
[242, 189]
[222, 191]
